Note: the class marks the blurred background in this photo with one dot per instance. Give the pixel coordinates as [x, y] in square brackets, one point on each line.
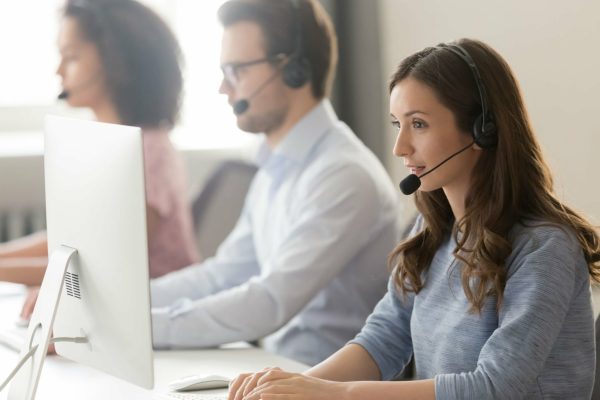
[551, 45]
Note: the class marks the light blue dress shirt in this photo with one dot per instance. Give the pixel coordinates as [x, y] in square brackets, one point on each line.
[306, 262]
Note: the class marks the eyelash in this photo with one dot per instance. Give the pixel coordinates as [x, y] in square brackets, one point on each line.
[423, 124]
[396, 124]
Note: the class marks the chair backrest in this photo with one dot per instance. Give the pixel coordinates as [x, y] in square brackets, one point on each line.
[219, 204]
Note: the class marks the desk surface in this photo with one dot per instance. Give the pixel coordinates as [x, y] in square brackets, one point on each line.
[63, 379]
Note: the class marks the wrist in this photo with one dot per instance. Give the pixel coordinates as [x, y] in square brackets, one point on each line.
[347, 390]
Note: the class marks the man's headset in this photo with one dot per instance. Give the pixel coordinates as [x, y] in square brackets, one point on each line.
[297, 70]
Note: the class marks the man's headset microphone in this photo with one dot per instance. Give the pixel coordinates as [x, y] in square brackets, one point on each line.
[295, 72]
[484, 131]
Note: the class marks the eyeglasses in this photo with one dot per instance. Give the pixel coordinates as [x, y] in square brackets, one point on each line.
[231, 71]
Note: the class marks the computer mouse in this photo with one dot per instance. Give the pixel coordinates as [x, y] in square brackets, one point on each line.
[199, 382]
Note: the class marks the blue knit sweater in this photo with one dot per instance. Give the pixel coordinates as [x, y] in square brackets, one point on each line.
[539, 346]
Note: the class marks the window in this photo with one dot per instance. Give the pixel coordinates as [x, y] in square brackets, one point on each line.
[28, 84]
[28, 31]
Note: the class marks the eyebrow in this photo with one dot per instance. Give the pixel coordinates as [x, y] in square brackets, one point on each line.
[409, 113]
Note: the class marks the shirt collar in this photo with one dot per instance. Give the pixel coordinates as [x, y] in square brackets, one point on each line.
[303, 136]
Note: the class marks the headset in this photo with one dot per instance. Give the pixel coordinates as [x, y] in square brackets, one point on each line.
[297, 70]
[485, 132]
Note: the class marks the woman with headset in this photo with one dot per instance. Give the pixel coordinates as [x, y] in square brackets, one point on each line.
[490, 293]
[121, 60]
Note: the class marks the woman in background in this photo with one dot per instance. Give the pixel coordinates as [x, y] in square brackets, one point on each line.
[491, 292]
[121, 60]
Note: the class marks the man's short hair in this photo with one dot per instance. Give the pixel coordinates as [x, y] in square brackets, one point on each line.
[278, 19]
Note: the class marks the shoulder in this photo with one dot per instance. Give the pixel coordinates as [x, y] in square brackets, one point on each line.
[545, 246]
[416, 226]
[159, 152]
[341, 157]
[156, 141]
[532, 235]
[164, 170]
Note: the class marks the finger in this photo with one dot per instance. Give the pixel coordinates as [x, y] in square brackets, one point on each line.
[240, 392]
[252, 383]
[235, 385]
[239, 384]
[271, 390]
[275, 396]
[273, 374]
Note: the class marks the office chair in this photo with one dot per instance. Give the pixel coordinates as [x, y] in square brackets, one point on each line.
[219, 204]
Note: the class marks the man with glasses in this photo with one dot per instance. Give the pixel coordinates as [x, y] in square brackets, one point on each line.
[306, 262]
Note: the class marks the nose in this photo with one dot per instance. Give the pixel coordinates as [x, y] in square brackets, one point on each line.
[403, 146]
[60, 69]
[225, 87]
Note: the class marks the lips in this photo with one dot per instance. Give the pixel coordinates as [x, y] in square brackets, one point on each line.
[416, 170]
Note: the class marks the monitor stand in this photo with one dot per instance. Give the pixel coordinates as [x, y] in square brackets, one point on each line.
[25, 382]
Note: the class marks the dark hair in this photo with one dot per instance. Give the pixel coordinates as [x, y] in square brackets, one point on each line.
[140, 56]
[510, 184]
[277, 21]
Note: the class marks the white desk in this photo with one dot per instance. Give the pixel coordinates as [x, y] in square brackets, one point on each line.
[63, 379]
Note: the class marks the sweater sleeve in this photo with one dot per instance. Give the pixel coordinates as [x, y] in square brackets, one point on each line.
[386, 335]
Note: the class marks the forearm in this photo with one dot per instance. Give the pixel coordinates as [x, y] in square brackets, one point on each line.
[27, 271]
[185, 283]
[227, 316]
[405, 390]
[34, 245]
[351, 363]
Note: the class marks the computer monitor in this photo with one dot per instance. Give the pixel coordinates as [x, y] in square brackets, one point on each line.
[96, 221]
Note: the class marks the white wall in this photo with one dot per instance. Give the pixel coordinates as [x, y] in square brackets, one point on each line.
[554, 49]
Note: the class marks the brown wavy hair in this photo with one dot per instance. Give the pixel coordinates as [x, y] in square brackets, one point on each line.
[510, 184]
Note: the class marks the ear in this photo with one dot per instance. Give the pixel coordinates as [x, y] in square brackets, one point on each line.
[476, 147]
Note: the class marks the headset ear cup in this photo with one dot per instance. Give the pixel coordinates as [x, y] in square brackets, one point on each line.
[296, 72]
[485, 136]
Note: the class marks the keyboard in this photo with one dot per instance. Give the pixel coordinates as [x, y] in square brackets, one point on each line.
[191, 396]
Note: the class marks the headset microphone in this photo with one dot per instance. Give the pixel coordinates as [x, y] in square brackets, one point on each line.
[240, 106]
[412, 182]
[82, 86]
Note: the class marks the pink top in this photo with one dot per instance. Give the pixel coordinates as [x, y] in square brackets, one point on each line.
[172, 244]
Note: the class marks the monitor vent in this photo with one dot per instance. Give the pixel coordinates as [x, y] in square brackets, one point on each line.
[72, 285]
